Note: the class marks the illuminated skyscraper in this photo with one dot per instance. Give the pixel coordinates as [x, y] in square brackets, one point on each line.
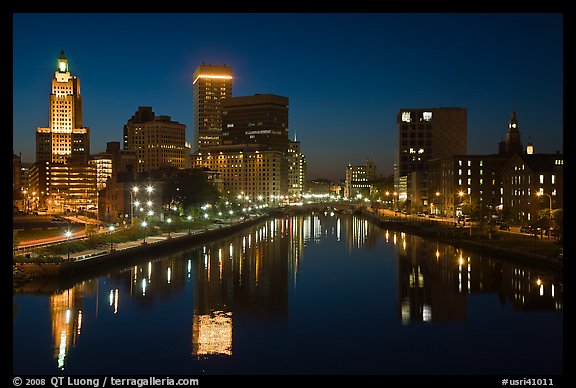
[65, 137]
[211, 85]
[61, 170]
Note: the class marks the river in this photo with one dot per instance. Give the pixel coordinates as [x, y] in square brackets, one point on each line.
[307, 294]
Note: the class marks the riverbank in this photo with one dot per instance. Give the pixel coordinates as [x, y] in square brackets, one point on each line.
[99, 261]
[498, 245]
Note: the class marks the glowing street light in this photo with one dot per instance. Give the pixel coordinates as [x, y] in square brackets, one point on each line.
[144, 224]
[169, 221]
[461, 194]
[541, 193]
[189, 220]
[68, 235]
[111, 229]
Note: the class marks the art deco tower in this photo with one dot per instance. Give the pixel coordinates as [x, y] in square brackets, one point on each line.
[212, 84]
[65, 138]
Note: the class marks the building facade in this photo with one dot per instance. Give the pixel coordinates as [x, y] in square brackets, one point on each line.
[65, 137]
[479, 177]
[157, 140]
[258, 176]
[425, 134]
[61, 176]
[527, 175]
[211, 85]
[259, 119]
[358, 179]
[64, 187]
[296, 170]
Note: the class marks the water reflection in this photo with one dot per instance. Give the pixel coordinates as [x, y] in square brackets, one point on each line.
[249, 277]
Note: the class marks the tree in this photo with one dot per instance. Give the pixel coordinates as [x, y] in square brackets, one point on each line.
[189, 188]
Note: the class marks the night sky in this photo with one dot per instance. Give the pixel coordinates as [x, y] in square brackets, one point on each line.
[346, 74]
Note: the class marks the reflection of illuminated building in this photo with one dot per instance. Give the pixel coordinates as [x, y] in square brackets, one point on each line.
[212, 334]
[66, 314]
[295, 233]
[360, 232]
[244, 276]
[435, 279]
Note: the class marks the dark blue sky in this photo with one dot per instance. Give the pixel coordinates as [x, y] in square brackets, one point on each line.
[346, 74]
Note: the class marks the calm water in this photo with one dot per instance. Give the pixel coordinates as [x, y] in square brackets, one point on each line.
[309, 294]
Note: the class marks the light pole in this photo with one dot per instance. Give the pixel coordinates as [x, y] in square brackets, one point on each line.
[135, 190]
[68, 234]
[111, 229]
[144, 224]
[540, 193]
[189, 219]
[461, 194]
[169, 221]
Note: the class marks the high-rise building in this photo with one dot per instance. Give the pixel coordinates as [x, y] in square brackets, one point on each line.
[260, 119]
[211, 85]
[424, 134]
[65, 137]
[359, 179]
[296, 170]
[61, 175]
[157, 140]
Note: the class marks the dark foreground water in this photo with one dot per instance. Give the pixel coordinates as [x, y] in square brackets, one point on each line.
[314, 294]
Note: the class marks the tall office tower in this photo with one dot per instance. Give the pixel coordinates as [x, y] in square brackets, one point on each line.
[157, 140]
[296, 170]
[211, 85]
[260, 119]
[425, 134]
[65, 137]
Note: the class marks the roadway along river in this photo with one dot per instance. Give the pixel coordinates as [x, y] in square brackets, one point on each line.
[308, 294]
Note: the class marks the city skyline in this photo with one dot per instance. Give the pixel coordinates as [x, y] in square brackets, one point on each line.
[345, 85]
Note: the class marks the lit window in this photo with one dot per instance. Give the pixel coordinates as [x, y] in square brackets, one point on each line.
[427, 116]
[406, 117]
[541, 178]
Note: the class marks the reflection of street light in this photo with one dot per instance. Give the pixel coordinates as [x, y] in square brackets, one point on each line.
[68, 234]
[461, 194]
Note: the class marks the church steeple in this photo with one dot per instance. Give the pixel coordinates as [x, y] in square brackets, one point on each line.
[513, 124]
[513, 144]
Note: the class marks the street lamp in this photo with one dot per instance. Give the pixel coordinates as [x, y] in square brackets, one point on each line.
[169, 221]
[144, 224]
[461, 194]
[189, 219]
[111, 229]
[540, 193]
[135, 190]
[68, 234]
